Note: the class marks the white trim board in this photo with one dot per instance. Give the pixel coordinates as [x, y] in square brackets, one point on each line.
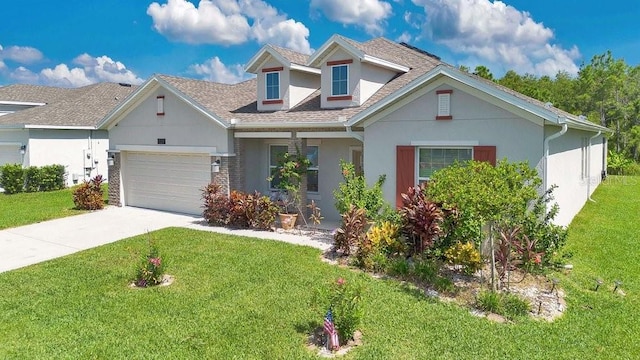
[327, 134]
[169, 149]
[262, 135]
[439, 143]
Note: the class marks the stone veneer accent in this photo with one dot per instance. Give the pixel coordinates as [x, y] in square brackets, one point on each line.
[221, 177]
[114, 181]
[237, 166]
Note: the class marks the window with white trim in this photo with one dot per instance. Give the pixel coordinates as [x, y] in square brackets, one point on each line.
[312, 174]
[340, 80]
[431, 160]
[272, 81]
[276, 152]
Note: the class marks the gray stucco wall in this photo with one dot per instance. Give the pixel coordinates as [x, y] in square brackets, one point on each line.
[475, 121]
[181, 125]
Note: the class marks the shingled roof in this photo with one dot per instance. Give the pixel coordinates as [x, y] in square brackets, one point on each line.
[239, 102]
[84, 106]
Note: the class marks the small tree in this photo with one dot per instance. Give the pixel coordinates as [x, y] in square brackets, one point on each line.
[289, 174]
[354, 191]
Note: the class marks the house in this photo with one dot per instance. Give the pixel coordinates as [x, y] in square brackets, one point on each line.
[42, 125]
[388, 107]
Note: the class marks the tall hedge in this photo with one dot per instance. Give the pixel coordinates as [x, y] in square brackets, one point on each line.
[15, 179]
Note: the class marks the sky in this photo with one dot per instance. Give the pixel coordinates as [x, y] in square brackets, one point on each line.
[74, 43]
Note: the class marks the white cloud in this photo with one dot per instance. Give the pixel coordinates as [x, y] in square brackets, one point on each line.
[227, 22]
[215, 70]
[90, 70]
[20, 54]
[370, 14]
[498, 34]
[405, 37]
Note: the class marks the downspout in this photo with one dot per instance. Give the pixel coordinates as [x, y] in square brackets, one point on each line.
[589, 167]
[546, 153]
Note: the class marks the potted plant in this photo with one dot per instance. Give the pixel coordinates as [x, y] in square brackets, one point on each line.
[289, 174]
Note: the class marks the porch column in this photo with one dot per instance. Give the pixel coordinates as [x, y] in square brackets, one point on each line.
[113, 178]
[236, 166]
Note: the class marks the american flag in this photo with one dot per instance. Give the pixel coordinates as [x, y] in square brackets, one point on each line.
[330, 329]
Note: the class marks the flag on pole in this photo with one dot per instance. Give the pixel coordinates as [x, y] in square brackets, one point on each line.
[330, 329]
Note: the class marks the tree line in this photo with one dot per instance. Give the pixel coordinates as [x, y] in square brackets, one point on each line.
[606, 91]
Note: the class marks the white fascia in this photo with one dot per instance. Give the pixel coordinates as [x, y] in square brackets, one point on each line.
[384, 63]
[24, 103]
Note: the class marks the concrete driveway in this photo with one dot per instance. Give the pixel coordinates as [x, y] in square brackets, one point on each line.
[27, 245]
[31, 244]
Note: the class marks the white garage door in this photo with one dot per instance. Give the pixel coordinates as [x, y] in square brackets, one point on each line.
[171, 182]
[10, 154]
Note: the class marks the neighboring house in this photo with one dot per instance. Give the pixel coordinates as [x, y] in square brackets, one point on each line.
[389, 108]
[43, 125]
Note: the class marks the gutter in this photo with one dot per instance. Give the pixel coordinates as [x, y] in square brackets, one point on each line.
[359, 137]
[546, 151]
[589, 167]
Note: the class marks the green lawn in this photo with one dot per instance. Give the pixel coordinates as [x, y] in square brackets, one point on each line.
[241, 298]
[28, 208]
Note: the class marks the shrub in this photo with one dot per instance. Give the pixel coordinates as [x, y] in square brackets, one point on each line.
[398, 267]
[150, 269]
[465, 255]
[345, 301]
[354, 191]
[261, 212]
[52, 177]
[216, 205]
[32, 179]
[89, 195]
[386, 236]
[12, 178]
[238, 209]
[476, 193]
[352, 231]
[422, 219]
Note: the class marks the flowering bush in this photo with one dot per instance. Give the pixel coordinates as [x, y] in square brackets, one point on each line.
[151, 268]
[344, 299]
[466, 255]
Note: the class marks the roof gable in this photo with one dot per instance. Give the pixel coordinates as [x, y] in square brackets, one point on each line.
[288, 58]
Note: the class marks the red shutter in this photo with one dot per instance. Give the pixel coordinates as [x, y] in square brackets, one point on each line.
[485, 153]
[405, 171]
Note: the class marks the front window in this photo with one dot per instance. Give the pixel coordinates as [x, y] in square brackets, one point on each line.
[431, 160]
[312, 174]
[276, 152]
[339, 80]
[273, 85]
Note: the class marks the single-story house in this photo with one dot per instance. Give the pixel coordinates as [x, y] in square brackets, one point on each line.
[389, 108]
[43, 125]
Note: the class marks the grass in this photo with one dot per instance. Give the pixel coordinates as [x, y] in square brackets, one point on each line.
[241, 298]
[28, 208]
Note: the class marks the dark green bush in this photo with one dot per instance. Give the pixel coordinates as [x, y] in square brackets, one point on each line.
[52, 177]
[12, 178]
[32, 179]
[354, 191]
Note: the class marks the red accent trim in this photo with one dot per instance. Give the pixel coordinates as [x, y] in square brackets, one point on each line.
[485, 153]
[339, 62]
[272, 69]
[338, 98]
[448, 117]
[405, 171]
[271, 102]
[444, 92]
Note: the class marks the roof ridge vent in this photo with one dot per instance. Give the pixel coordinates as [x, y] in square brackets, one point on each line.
[424, 52]
[124, 84]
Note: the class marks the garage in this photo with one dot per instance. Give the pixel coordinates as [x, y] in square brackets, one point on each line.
[162, 181]
[10, 154]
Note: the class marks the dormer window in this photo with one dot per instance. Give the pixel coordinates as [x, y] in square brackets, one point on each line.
[273, 85]
[340, 80]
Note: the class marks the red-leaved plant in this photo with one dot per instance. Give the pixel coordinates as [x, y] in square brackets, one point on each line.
[89, 196]
[215, 205]
[422, 219]
[352, 230]
[150, 270]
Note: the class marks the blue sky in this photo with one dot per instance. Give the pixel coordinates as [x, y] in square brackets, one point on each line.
[73, 43]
